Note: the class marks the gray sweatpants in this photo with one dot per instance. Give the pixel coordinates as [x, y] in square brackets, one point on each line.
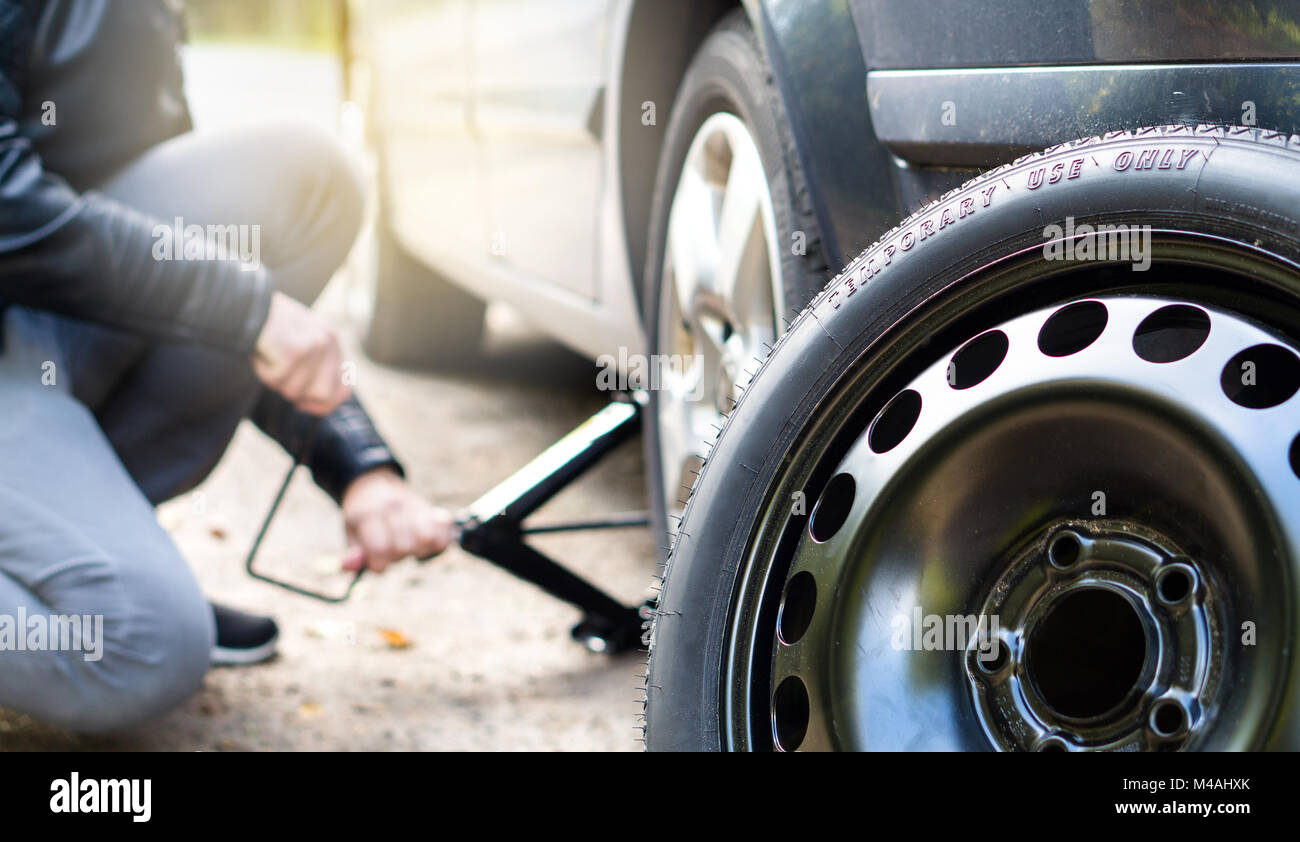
[98, 425]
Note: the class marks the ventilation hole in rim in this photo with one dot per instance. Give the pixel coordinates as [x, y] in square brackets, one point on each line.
[977, 359]
[832, 508]
[1295, 456]
[1261, 376]
[790, 714]
[797, 607]
[1072, 328]
[895, 421]
[1171, 333]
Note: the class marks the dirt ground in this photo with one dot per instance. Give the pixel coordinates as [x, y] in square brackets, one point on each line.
[451, 655]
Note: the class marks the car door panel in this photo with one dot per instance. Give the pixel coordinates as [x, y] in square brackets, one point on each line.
[538, 89]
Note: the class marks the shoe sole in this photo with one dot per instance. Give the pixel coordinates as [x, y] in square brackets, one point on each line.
[226, 656]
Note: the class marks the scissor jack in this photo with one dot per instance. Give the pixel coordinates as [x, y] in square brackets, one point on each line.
[494, 528]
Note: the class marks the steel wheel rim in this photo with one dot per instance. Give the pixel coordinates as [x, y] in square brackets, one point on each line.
[719, 290]
[752, 689]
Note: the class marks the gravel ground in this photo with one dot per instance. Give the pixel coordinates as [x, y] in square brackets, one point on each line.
[452, 655]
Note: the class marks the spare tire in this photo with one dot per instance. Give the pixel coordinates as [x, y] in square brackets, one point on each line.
[989, 416]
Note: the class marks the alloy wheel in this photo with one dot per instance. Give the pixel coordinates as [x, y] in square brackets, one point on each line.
[721, 281]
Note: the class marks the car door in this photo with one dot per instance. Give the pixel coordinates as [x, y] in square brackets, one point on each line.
[421, 60]
[538, 104]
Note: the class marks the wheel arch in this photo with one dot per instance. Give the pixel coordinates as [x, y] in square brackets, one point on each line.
[661, 38]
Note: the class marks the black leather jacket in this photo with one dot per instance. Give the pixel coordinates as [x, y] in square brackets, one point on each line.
[113, 68]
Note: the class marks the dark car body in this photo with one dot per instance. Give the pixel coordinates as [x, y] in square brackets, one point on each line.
[1012, 76]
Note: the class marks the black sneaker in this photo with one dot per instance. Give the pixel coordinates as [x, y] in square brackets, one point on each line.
[242, 638]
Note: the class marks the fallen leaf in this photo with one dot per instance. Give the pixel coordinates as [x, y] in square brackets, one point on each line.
[310, 710]
[395, 639]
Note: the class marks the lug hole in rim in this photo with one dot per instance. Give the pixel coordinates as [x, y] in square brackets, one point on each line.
[1168, 719]
[1295, 456]
[790, 711]
[797, 607]
[832, 508]
[1072, 328]
[1172, 333]
[1175, 584]
[1262, 376]
[993, 666]
[1052, 745]
[1065, 550]
[895, 421]
[976, 361]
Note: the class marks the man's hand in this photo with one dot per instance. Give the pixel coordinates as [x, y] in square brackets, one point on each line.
[298, 356]
[386, 521]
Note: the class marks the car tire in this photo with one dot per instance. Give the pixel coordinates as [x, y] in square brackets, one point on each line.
[1225, 250]
[729, 75]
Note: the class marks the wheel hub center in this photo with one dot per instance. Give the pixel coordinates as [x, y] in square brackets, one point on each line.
[1086, 654]
[1109, 643]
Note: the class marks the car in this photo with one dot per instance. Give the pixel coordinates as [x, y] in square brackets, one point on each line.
[977, 329]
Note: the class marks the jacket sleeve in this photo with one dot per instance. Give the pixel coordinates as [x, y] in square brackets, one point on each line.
[338, 447]
[87, 256]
